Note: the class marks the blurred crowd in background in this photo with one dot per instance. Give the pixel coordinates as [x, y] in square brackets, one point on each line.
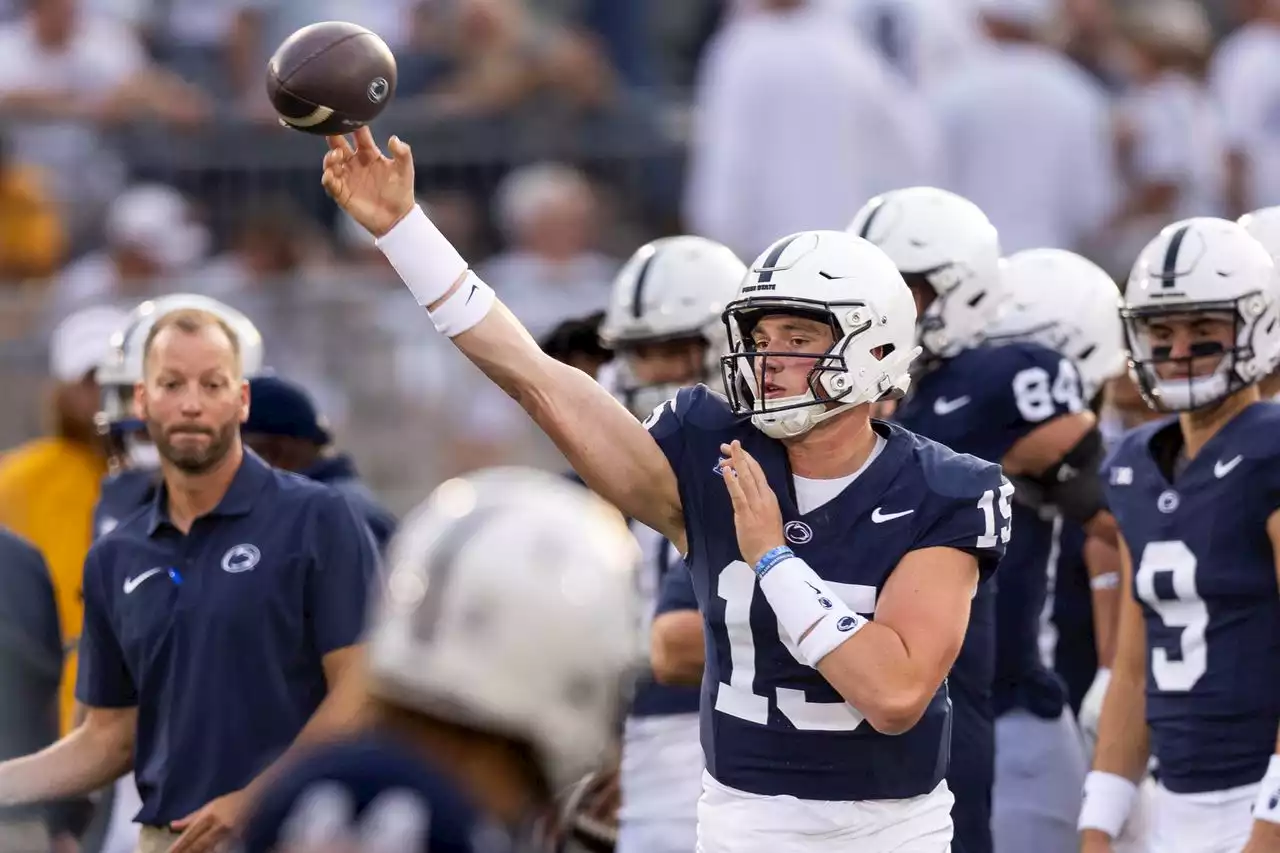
[139, 156]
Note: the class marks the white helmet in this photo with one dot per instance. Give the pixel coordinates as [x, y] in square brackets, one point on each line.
[122, 368]
[1195, 266]
[672, 288]
[946, 242]
[512, 606]
[1069, 304]
[838, 279]
[1264, 226]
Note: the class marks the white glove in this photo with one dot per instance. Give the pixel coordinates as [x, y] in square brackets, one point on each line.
[1091, 709]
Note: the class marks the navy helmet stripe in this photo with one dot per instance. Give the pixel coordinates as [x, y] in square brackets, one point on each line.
[766, 273]
[637, 297]
[444, 558]
[1169, 276]
[865, 231]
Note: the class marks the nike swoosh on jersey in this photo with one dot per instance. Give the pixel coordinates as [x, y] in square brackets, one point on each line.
[131, 584]
[1222, 469]
[879, 516]
[943, 406]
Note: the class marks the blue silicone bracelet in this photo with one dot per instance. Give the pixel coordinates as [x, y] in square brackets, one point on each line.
[772, 558]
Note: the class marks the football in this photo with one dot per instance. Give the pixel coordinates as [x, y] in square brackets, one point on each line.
[331, 78]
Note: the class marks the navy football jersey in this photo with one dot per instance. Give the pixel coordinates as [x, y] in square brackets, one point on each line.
[983, 402]
[1205, 577]
[771, 724]
[121, 496]
[660, 560]
[375, 792]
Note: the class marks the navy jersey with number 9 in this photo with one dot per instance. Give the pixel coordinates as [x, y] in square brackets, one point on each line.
[1205, 577]
[771, 724]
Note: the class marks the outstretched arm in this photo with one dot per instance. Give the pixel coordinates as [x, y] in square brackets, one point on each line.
[612, 451]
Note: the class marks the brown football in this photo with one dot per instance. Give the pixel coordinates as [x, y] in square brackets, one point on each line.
[331, 78]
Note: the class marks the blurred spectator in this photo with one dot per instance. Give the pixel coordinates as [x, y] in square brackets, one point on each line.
[680, 30]
[502, 56]
[270, 243]
[796, 124]
[1090, 39]
[30, 665]
[616, 28]
[548, 213]
[1028, 133]
[152, 236]
[1171, 139]
[48, 486]
[924, 40]
[64, 75]
[285, 429]
[1245, 76]
[217, 44]
[32, 237]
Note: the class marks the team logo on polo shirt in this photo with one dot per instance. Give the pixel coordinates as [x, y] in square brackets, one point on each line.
[241, 558]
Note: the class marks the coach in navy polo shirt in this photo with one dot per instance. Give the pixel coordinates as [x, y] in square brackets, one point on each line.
[221, 620]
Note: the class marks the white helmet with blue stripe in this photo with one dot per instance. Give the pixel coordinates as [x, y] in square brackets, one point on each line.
[512, 606]
[1201, 269]
[851, 287]
[945, 246]
[671, 289]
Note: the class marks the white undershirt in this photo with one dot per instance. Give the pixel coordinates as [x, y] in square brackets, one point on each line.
[811, 494]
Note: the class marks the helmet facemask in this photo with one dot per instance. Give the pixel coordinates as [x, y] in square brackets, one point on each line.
[1237, 367]
[857, 368]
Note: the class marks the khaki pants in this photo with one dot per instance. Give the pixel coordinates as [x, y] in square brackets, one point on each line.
[153, 839]
[24, 836]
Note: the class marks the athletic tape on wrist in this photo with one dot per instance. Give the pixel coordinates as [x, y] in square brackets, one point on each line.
[464, 308]
[423, 258]
[803, 602]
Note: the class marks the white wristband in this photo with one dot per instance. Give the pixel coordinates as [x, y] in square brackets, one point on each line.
[466, 307]
[1108, 798]
[426, 262]
[1267, 806]
[803, 602]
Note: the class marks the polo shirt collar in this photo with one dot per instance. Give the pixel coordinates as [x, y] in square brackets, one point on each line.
[245, 487]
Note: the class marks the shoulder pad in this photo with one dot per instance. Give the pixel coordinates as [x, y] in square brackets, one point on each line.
[955, 475]
[697, 407]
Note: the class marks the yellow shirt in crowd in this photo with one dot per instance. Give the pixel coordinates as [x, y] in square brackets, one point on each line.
[48, 488]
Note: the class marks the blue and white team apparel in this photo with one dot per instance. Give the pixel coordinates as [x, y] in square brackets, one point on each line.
[1204, 565]
[661, 770]
[1205, 577]
[984, 400]
[135, 461]
[791, 765]
[510, 617]
[1069, 304]
[786, 755]
[669, 295]
[371, 794]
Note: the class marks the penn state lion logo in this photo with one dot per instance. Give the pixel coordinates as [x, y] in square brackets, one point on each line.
[241, 558]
